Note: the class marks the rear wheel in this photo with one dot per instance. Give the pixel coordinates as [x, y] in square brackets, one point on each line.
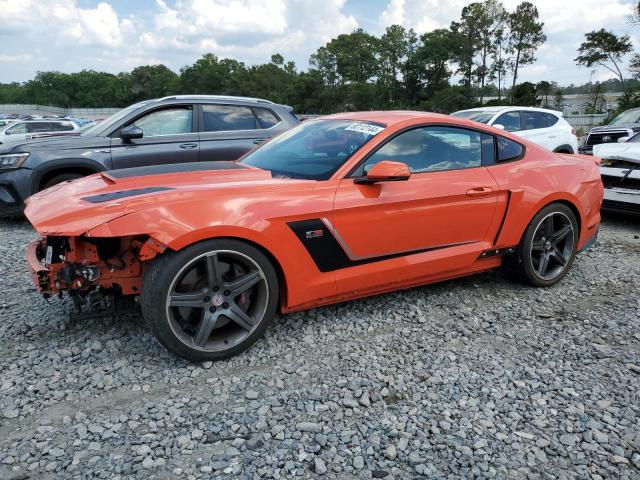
[548, 246]
[210, 301]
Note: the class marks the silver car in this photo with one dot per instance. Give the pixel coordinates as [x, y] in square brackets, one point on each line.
[27, 129]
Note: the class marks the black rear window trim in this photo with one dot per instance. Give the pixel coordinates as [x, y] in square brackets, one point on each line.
[250, 107]
[253, 109]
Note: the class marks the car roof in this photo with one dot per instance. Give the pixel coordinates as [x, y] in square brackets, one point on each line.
[48, 120]
[504, 108]
[388, 117]
[215, 97]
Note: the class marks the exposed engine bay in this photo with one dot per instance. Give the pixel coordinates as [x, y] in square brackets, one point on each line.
[84, 265]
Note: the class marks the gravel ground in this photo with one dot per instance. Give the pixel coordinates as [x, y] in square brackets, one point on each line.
[477, 377]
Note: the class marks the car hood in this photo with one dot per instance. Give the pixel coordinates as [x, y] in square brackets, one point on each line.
[73, 208]
[622, 126]
[629, 152]
[58, 142]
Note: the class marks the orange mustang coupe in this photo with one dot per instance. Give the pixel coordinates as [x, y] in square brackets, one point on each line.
[342, 207]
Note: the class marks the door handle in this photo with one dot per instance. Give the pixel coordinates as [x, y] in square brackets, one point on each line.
[479, 191]
[189, 146]
[259, 141]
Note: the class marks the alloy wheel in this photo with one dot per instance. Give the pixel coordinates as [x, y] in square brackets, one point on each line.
[552, 245]
[217, 300]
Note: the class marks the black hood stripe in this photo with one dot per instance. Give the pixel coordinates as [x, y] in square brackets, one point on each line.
[328, 253]
[105, 197]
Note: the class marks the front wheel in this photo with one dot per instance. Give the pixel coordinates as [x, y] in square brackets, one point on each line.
[211, 300]
[548, 246]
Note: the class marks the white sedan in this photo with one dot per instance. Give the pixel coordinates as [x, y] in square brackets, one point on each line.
[546, 128]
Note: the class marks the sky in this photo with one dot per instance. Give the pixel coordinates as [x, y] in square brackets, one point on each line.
[118, 35]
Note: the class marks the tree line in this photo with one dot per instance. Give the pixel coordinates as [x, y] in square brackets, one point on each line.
[480, 54]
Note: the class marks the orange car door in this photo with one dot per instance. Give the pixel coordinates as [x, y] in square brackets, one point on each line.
[440, 220]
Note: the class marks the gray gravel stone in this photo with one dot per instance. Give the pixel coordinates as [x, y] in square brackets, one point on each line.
[319, 466]
[479, 377]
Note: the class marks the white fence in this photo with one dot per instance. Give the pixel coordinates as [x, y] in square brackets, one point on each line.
[33, 109]
[585, 122]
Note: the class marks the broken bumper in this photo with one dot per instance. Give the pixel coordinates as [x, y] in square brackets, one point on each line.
[621, 200]
[40, 273]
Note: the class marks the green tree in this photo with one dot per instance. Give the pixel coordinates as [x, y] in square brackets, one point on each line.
[604, 49]
[487, 19]
[451, 99]
[544, 89]
[153, 81]
[209, 75]
[348, 58]
[558, 100]
[464, 47]
[525, 36]
[395, 45]
[524, 94]
[426, 69]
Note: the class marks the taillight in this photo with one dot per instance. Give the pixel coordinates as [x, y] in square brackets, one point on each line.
[574, 131]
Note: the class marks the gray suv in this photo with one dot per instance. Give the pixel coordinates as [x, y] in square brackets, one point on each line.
[176, 129]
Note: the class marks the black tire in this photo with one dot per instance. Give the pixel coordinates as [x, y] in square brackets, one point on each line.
[63, 177]
[529, 265]
[182, 328]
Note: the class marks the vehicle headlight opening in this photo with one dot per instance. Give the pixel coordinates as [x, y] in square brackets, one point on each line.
[14, 160]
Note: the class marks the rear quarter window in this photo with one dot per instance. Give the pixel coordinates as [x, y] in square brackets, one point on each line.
[266, 117]
[551, 119]
[225, 118]
[508, 150]
[533, 120]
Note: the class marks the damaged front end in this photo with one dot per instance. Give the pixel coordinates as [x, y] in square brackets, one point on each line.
[621, 180]
[87, 267]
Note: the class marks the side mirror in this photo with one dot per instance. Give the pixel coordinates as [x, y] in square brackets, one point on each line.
[499, 126]
[130, 133]
[623, 139]
[385, 171]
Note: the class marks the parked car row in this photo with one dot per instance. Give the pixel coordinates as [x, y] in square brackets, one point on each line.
[175, 129]
[182, 129]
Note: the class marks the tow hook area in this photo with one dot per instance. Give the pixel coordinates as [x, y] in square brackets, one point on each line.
[79, 264]
[72, 271]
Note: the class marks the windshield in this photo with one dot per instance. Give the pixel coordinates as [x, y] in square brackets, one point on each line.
[630, 116]
[314, 150]
[476, 116]
[98, 127]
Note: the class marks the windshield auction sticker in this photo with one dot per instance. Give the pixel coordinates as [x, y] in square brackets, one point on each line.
[367, 128]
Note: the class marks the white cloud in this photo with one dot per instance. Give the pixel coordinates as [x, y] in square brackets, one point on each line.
[92, 26]
[69, 35]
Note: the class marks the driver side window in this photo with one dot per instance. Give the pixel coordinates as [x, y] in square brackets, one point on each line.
[18, 128]
[431, 149]
[169, 121]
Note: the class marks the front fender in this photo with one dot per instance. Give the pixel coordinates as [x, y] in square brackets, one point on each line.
[168, 225]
